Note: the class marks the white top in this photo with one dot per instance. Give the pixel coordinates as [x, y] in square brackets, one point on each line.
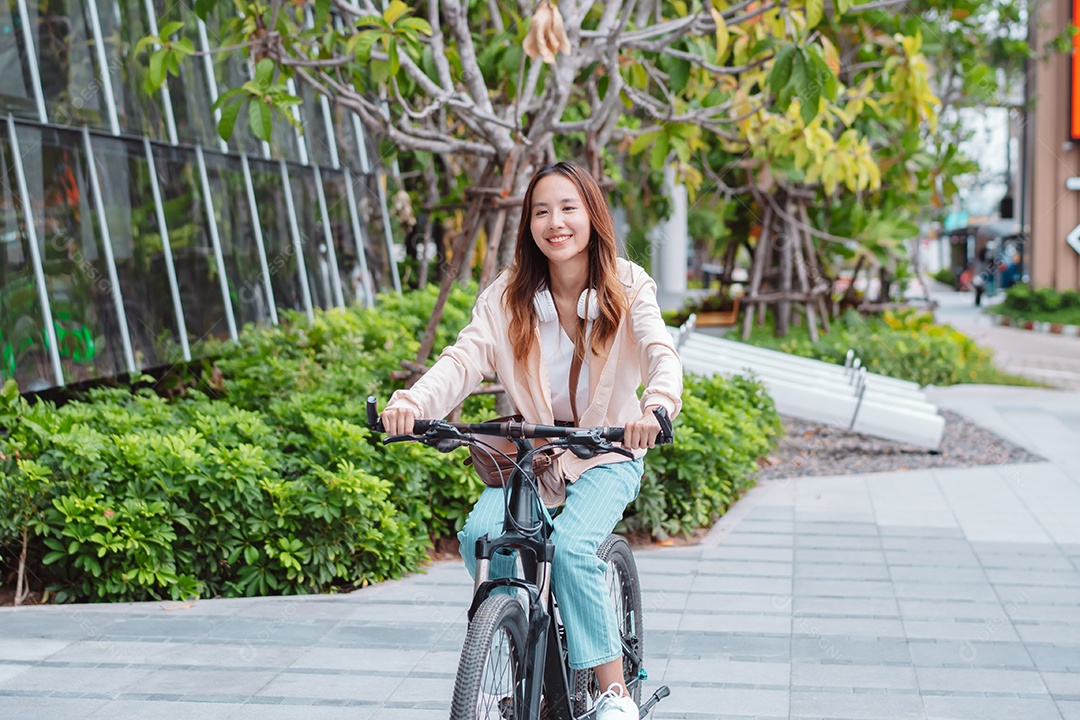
[557, 354]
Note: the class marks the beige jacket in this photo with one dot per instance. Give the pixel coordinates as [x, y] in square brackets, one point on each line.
[641, 353]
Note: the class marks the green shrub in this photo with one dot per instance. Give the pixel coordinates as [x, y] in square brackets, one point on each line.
[1042, 305]
[725, 425]
[946, 276]
[905, 344]
[259, 476]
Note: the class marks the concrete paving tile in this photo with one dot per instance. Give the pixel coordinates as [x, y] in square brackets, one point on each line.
[765, 525]
[726, 602]
[1062, 683]
[854, 627]
[722, 622]
[843, 588]
[49, 707]
[853, 650]
[887, 529]
[733, 584]
[1041, 577]
[977, 592]
[846, 607]
[190, 627]
[30, 648]
[746, 552]
[1011, 561]
[10, 671]
[923, 574]
[808, 676]
[981, 680]
[950, 708]
[253, 711]
[360, 660]
[201, 682]
[840, 556]
[969, 653]
[1053, 658]
[1040, 594]
[754, 568]
[929, 558]
[165, 710]
[388, 713]
[424, 690]
[731, 701]
[812, 527]
[63, 627]
[730, 646]
[1070, 709]
[75, 679]
[657, 600]
[856, 706]
[748, 539]
[948, 609]
[1054, 633]
[841, 571]
[1038, 612]
[310, 688]
[106, 650]
[241, 655]
[838, 542]
[685, 670]
[664, 566]
[413, 613]
[944, 629]
[925, 544]
[287, 628]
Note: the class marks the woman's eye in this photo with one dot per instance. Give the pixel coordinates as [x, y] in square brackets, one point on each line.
[541, 212]
[568, 208]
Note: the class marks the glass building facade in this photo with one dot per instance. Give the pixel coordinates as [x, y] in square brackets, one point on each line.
[130, 231]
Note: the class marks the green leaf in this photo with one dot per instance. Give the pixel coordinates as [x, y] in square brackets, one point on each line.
[222, 99]
[203, 7]
[780, 75]
[322, 12]
[395, 11]
[679, 75]
[261, 119]
[380, 71]
[363, 43]
[170, 29]
[156, 75]
[659, 153]
[264, 73]
[418, 24]
[229, 113]
[395, 62]
[643, 141]
[814, 10]
[184, 46]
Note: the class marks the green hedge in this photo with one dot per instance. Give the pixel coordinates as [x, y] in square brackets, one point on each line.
[906, 344]
[1042, 305]
[260, 476]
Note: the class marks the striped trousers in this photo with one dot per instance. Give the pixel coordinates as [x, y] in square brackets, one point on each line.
[594, 505]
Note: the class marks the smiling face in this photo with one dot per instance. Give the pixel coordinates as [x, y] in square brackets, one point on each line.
[559, 222]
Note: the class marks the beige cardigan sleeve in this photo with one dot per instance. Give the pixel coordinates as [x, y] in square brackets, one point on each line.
[661, 369]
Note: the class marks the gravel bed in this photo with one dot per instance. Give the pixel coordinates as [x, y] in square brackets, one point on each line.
[812, 449]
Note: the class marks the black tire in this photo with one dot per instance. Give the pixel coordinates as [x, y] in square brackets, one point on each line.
[492, 663]
[626, 595]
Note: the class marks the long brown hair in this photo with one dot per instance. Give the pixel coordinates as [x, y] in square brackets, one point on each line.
[529, 271]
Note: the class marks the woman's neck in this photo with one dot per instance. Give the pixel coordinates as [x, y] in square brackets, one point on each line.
[567, 283]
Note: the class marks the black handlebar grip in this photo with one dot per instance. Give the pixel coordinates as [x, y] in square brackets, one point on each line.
[667, 432]
[373, 421]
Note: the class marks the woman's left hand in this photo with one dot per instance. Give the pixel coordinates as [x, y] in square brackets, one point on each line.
[641, 433]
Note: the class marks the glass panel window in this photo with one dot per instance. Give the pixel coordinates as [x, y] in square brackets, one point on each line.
[277, 238]
[231, 71]
[16, 85]
[193, 251]
[76, 274]
[236, 232]
[190, 91]
[73, 91]
[316, 254]
[139, 252]
[314, 126]
[337, 205]
[24, 354]
[123, 24]
[345, 133]
[365, 190]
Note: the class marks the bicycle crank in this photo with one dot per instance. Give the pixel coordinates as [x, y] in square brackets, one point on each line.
[657, 696]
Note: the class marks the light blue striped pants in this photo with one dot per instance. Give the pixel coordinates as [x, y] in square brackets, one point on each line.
[594, 505]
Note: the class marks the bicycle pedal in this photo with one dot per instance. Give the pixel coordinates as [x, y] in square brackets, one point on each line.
[642, 674]
[648, 705]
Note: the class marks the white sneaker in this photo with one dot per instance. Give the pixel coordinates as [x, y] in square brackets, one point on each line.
[613, 705]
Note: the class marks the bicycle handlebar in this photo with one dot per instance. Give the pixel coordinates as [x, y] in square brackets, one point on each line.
[522, 429]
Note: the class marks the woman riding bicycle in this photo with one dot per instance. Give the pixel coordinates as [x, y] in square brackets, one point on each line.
[572, 331]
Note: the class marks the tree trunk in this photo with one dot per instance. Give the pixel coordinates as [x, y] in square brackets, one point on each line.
[783, 308]
[761, 257]
[21, 590]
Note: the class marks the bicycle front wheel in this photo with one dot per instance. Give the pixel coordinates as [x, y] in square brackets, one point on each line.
[492, 665]
[625, 590]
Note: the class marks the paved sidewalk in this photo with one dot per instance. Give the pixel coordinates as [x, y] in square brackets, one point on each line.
[932, 594]
[1053, 360]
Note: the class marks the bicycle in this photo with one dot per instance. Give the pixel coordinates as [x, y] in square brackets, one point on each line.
[514, 663]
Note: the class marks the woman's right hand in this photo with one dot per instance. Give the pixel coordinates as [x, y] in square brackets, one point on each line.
[398, 421]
